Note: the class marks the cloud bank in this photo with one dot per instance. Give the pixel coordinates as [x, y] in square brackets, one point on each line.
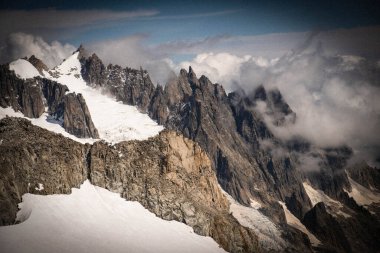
[19, 45]
[131, 51]
[334, 96]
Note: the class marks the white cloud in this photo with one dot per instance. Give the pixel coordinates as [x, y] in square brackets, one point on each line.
[20, 45]
[221, 67]
[130, 51]
[335, 97]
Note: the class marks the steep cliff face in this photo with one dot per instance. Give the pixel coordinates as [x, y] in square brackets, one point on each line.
[227, 130]
[38, 64]
[169, 174]
[21, 95]
[31, 96]
[230, 131]
[358, 233]
[131, 86]
[77, 118]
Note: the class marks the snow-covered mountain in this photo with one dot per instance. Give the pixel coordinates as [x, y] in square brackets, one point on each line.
[114, 120]
[239, 184]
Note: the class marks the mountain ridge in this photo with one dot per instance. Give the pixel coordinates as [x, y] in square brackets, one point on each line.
[242, 149]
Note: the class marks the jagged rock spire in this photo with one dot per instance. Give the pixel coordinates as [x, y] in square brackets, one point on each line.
[83, 53]
[38, 64]
[192, 77]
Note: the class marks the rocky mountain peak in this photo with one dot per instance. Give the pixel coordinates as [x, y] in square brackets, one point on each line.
[83, 53]
[183, 73]
[38, 64]
[260, 93]
[192, 77]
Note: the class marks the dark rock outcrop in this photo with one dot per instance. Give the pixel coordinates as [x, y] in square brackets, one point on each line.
[31, 96]
[357, 233]
[93, 70]
[77, 118]
[131, 86]
[326, 228]
[169, 174]
[21, 95]
[365, 175]
[32, 155]
[38, 64]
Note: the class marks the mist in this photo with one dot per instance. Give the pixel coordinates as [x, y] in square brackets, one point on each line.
[335, 97]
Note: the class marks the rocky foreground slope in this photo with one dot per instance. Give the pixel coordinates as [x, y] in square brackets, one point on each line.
[169, 175]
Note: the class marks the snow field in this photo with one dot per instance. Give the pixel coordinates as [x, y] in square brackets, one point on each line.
[114, 120]
[92, 219]
[23, 69]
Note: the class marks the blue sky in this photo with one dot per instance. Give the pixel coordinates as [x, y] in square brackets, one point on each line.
[191, 20]
[180, 30]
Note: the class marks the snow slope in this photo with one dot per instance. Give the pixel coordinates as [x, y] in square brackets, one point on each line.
[92, 219]
[334, 207]
[23, 69]
[114, 120]
[44, 121]
[296, 223]
[268, 233]
[361, 194]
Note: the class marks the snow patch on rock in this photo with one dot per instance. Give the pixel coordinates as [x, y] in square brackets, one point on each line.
[268, 233]
[296, 223]
[334, 207]
[362, 195]
[44, 121]
[23, 69]
[114, 120]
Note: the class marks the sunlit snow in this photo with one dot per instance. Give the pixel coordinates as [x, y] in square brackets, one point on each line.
[361, 194]
[92, 219]
[296, 223]
[114, 120]
[268, 233]
[44, 121]
[334, 207]
[23, 69]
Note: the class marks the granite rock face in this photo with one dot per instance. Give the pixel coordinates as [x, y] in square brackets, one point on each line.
[131, 86]
[77, 118]
[170, 175]
[31, 155]
[38, 64]
[358, 233]
[32, 96]
[22, 95]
